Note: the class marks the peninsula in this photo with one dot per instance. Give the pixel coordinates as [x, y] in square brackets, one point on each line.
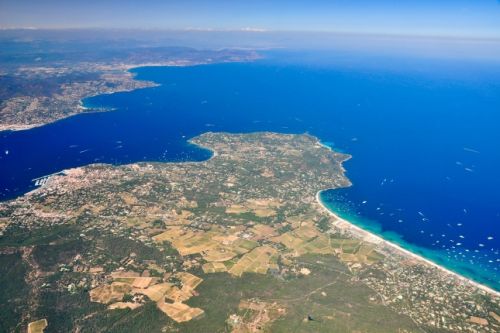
[236, 243]
[37, 92]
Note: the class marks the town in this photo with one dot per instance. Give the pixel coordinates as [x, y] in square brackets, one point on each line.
[238, 242]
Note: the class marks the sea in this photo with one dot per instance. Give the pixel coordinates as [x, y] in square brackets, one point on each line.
[423, 133]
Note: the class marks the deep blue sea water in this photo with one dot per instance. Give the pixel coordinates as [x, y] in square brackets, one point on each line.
[424, 135]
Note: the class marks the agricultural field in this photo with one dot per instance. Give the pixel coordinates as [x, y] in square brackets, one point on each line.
[110, 293]
[168, 296]
[259, 260]
[180, 312]
[214, 267]
[237, 243]
[37, 326]
[258, 207]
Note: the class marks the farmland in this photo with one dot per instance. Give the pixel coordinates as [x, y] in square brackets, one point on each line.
[37, 326]
[234, 243]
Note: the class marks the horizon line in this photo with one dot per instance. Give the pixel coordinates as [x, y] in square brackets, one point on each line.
[262, 31]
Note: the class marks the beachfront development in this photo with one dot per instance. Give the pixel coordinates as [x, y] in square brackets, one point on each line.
[47, 92]
[238, 243]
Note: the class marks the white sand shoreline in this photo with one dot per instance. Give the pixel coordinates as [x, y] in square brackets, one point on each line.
[405, 251]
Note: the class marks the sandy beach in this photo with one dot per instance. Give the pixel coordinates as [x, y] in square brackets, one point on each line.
[344, 224]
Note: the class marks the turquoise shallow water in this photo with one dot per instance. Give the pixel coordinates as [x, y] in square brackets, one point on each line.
[464, 268]
[423, 135]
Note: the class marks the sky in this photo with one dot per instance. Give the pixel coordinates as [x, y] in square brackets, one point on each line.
[457, 18]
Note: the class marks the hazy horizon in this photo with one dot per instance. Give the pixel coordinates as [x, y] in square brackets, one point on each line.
[459, 18]
[343, 43]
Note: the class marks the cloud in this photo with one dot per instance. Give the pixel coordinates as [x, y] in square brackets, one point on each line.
[251, 29]
[245, 29]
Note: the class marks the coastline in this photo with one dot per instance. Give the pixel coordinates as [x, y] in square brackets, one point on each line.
[346, 222]
[379, 240]
[62, 173]
[19, 127]
[81, 108]
[126, 70]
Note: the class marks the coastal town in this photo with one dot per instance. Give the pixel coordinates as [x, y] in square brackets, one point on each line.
[54, 90]
[240, 242]
[249, 166]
